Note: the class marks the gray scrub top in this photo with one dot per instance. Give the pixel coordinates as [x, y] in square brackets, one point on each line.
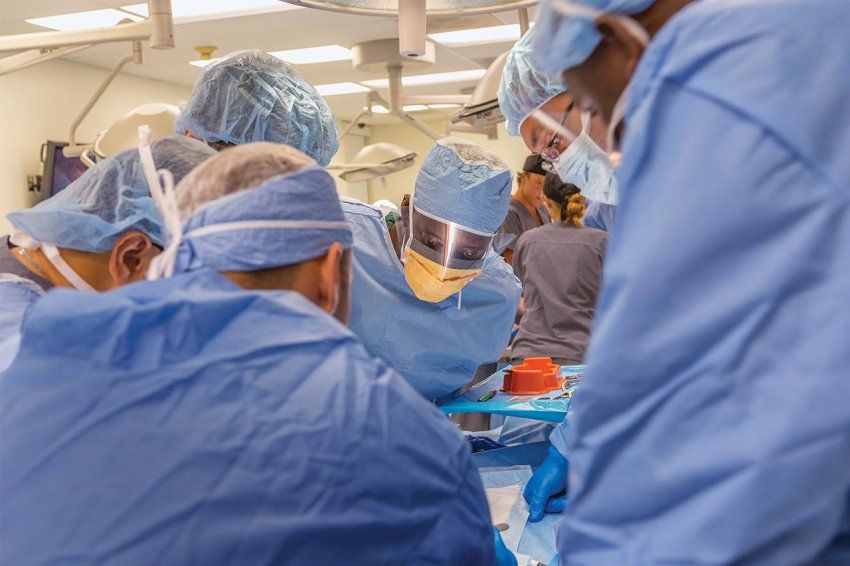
[561, 272]
[519, 221]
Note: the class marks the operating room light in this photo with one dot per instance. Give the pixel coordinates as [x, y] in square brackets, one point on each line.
[188, 9]
[322, 54]
[204, 62]
[436, 78]
[340, 88]
[83, 20]
[478, 36]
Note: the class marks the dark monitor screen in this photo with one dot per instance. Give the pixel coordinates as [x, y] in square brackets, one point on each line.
[59, 171]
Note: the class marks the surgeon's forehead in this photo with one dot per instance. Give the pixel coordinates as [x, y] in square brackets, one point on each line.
[536, 134]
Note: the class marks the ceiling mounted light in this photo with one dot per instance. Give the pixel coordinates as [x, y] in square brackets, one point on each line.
[432, 79]
[214, 9]
[308, 55]
[92, 19]
[376, 160]
[433, 7]
[483, 109]
[124, 133]
[340, 88]
[478, 36]
[204, 62]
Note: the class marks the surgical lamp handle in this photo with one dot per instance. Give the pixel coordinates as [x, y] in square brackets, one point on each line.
[84, 157]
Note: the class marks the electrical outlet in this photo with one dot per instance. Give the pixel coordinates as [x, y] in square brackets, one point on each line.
[34, 183]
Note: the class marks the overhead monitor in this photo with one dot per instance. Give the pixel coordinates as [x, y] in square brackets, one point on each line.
[59, 171]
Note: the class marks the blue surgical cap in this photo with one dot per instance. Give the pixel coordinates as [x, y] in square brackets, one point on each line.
[252, 96]
[307, 198]
[462, 182]
[109, 199]
[562, 42]
[524, 86]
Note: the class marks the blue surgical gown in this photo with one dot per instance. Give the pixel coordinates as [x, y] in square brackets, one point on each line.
[599, 215]
[712, 425]
[188, 421]
[16, 296]
[436, 347]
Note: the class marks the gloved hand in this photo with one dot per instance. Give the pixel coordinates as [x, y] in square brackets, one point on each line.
[482, 443]
[549, 479]
[504, 557]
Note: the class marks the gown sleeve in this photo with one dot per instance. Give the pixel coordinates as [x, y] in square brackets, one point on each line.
[712, 424]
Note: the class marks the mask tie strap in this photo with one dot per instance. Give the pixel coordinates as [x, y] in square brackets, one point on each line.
[161, 188]
[54, 256]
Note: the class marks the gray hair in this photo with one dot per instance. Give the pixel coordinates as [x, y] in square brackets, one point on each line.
[237, 169]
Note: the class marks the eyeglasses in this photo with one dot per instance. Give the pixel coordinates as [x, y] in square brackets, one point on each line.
[551, 153]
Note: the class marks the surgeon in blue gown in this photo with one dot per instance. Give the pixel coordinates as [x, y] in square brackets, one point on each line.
[99, 233]
[525, 89]
[712, 424]
[222, 414]
[433, 313]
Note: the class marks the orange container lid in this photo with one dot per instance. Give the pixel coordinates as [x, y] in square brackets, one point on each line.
[534, 376]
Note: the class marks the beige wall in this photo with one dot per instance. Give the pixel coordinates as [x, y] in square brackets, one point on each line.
[509, 148]
[40, 103]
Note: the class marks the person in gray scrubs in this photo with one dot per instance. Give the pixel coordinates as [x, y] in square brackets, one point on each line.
[560, 266]
[526, 209]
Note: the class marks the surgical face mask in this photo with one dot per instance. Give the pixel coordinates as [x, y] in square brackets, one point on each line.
[586, 166]
[431, 282]
[441, 257]
[51, 252]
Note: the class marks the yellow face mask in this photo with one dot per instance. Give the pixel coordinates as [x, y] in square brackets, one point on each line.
[430, 281]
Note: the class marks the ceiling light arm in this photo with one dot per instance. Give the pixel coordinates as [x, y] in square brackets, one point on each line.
[397, 107]
[134, 57]
[371, 98]
[34, 57]
[492, 131]
[524, 23]
[158, 29]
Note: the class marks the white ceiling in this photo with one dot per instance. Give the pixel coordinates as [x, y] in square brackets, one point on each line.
[274, 31]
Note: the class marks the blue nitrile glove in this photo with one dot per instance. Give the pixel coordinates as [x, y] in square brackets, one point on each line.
[548, 480]
[504, 557]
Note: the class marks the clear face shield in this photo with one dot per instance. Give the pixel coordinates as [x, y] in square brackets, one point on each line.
[447, 244]
[441, 257]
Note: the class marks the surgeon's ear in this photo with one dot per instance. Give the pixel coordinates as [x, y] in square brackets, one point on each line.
[330, 277]
[130, 258]
[343, 308]
[618, 35]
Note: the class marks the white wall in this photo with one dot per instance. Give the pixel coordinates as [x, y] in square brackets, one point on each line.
[509, 148]
[40, 103]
